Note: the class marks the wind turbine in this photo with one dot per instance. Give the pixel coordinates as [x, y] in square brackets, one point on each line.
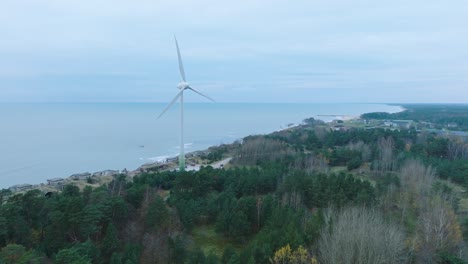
[182, 86]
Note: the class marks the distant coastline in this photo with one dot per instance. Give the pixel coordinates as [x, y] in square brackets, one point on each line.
[119, 121]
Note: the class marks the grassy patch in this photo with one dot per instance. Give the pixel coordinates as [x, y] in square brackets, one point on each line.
[365, 177]
[338, 169]
[463, 206]
[209, 241]
[98, 181]
[459, 195]
[411, 221]
[165, 194]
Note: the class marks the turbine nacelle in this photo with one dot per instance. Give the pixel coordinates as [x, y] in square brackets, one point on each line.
[183, 85]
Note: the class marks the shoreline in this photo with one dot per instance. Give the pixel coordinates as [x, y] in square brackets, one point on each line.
[163, 159]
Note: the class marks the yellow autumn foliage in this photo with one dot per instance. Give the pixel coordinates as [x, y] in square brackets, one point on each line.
[285, 255]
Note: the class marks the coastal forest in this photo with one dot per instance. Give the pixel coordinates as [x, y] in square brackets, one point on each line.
[307, 194]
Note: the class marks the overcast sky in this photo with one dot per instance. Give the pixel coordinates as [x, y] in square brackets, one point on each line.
[234, 51]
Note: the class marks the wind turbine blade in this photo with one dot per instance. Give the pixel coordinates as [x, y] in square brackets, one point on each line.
[181, 66]
[209, 98]
[171, 103]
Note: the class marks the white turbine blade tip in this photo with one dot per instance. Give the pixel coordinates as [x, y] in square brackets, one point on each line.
[181, 65]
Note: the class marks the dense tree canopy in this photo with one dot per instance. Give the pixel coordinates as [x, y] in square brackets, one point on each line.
[272, 205]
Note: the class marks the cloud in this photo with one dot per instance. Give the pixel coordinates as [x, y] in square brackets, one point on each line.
[266, 46]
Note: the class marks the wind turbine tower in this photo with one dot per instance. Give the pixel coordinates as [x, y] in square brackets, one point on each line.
[182, 86]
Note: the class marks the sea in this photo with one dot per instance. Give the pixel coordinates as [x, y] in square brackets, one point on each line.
[40, 141]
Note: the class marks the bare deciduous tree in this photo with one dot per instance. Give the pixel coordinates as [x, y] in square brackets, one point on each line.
[416, 184]
[260, 148]
[438, 230]
[437, 226]
[155, 248]
[359, 235]
[422, 137]
[385, 161]
[292, 198]
[416, 178]
[316, 163]
[457, 149]
[362, 147]
[321, 132]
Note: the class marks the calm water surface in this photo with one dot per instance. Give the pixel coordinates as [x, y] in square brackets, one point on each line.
[41, 141]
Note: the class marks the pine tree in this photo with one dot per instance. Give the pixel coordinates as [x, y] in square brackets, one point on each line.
[110, 243]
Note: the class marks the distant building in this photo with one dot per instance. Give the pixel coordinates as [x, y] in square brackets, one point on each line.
[340, 128]
[21, 187]
[174, 159]
[398, 123]
[201, 153]
[423, 124]
[80, 176]
[55, 181]
[458, 133]
[389, 124]
[195, 154]
[105, 173]
[403, 123]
